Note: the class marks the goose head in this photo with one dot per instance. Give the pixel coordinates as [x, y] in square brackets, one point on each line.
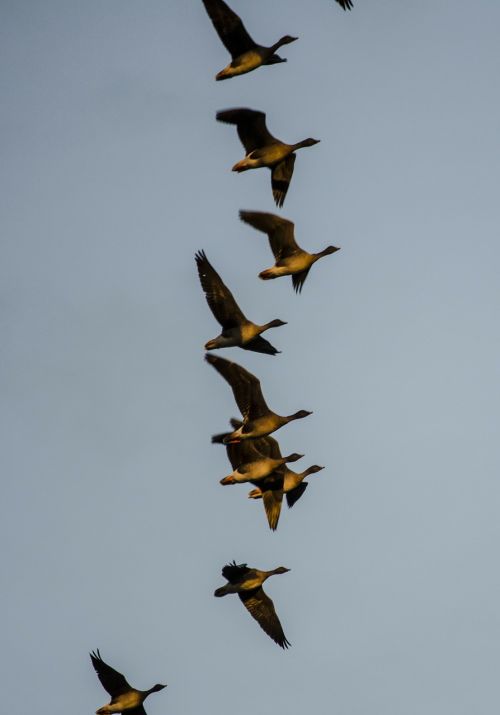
[276, 323]
[286, 40]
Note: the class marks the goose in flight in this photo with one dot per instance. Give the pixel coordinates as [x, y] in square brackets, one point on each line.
[258, 419]
[247, 583]
[236, 329]
[293, 484]
[246, 54]
[124, 698]
[290, 258]
[263, 149]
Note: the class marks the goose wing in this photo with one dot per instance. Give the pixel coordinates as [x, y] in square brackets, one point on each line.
[272, 499]
[136, 711]
[219, 298]
[294, 494]
[229, 27]
[245, 386]
[261, 345]
[281, 175]
[234, 572]
[242, 453]
[345, 4]
[261, 607]
[251, 126]
[268, 446]
[279, 230]
[298, 280]
[111, 680]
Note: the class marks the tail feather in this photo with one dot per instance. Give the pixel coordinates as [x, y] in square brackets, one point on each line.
[219, 438]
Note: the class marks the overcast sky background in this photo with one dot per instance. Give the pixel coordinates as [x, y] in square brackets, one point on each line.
[114, 526]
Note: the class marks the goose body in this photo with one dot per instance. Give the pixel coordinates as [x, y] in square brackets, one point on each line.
[124, 698]
[264, 150]
[246, 54]
[290, 258]
[258, 419]
[247, 583]
[237, 330]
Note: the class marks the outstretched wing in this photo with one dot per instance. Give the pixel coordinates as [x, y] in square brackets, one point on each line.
[136, 711]
[251, 126]
[229, 27]
[272, 499]
[294, 494]
[219, 298]
[279, 230]
[281, 175]
[261, 608]
[345, 4]
[111, 680]
[234, 572]
[245, 386]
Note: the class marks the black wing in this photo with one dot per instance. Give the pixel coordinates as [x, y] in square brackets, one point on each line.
[261, 345]
[279, 230]
[229, 27]
[298, 280]
[251, 126]
[234, 572]
[345, 4]
[261, 608]
[136, 711]
[281, 175]
[245, 386]
[111, 680]
[219, 298]
[294, 494]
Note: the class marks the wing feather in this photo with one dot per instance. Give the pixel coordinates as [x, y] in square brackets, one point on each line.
[281, 175]
[229, 27]
[251, 126]
[279, 230]
[111, 680]
[219, 298]
[261, 607]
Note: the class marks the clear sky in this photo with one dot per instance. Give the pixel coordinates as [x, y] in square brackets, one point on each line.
[114, 526]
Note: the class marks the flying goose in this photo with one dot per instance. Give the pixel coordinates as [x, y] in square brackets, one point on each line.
[236, 329]
[291, 259]
[250, 464]
[258, 419]
[124, 698]
[345, 4]
[263, 149]
[247, 583]
[246, 54]
[293, 484]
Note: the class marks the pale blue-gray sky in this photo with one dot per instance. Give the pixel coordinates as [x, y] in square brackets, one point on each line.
[114, 526]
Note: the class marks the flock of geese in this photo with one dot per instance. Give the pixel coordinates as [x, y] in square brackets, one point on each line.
[254, 455]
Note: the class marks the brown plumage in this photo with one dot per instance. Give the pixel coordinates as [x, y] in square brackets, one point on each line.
[124, 698]
[246, 54]
[264, 150]
[247, 583]
[237, 330]
[290, 258]
[258, 419]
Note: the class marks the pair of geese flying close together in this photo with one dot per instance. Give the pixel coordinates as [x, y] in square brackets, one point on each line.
[290, 260]
[246, 54]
